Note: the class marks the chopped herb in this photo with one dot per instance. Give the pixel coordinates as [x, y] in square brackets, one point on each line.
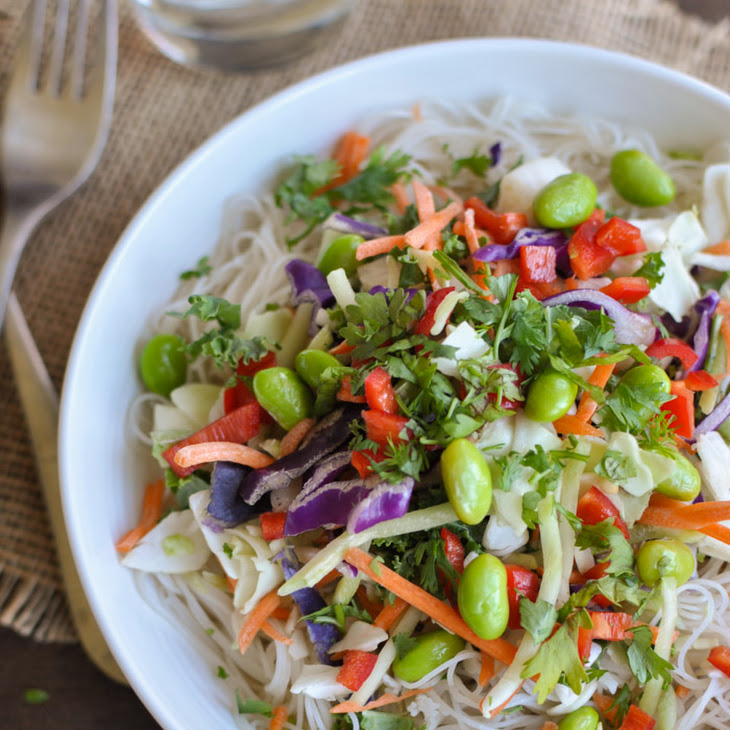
[538, 618]
[222, 673]
[227, 549]
[253, 706]
[201, 269]
[36, 696]
[616, 467]
[644, 662]
[652, 269]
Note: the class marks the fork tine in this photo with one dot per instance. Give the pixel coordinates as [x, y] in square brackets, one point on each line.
[79, 56]
[55, 72]
[31, 44]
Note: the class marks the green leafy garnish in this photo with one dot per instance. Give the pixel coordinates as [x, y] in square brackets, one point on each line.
[202, 268]
[652, 269]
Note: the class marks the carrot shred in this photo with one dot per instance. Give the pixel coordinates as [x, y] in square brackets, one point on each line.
[605, 705]
[548, 725]
[718, 249]
[390, 614]
[446, 194]
[431, 228]
[401, 196]
[151, 513]
[440, 612]
[282, 613]
[416, 112]
[194, 454]
[352, 149]
[719, 532]
[341, 349]
[273, 633]
[666, 512]
[278, 718]
[372, 607]
[425, 205]
[231, 584]
[487, 669]
[573, 424]
[386, 699]
[599, 377]
[256, 619]
[376, 246]
[295, 435]
[331, 577]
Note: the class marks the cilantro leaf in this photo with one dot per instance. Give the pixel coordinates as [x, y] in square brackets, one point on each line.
[605, 536]
[616, 467]
[403, 644]
[253, 706]
[208, 308]
[630, 406]
[557, 660]
[652, 269]
[537, 618]
[201, 269]
[644, 662]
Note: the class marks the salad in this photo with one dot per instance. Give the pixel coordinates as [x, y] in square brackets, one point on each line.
[466, 465]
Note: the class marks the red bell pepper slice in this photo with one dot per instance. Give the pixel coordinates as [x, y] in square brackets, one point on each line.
[454, 549]
[521, 582]
[596, 573]
[537, 264]
[620, 237]
[424, 325]
[682, 407]
[363, 460]
[699, 380]
[637, 719]
[501, 227]
[383, 428]
[272, 525]
[238, 426]
[594, 507]
[627, 289]
[587, 258]
[719, 657]
[379, 392]
[541, 289]
[672, 347]
[356, 668]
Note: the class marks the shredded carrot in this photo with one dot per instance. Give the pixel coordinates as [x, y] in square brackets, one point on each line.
[342, 349]
[255, 620]
[273, 633]
[282, 613]
[390, 614]
[386, 699]
[425, 205]
[470, 233]
[719, 532]
[401, 196]
[573, 424]
[440, 612]
[718, 249]
[331, 577]
[487, 670]
[352, 149]
[446, 194]
[278, 718]
[376, 246]
[294, 436]
[151, 513]
[433, 279]
[604, 704]
[599, 377]
[549, 726]
[416, 112]
[431, 228]
[725, 332]
[372, 607]
[681, 691]
[665, 512]
[205, 453]
[496, 710]
[231, 583]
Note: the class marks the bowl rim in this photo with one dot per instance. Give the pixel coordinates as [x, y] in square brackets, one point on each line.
[621, 61]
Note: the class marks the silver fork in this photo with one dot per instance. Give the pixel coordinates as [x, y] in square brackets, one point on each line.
[52, 136]
[53, 132]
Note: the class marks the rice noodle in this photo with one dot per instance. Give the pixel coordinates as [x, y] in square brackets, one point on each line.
[247, 267]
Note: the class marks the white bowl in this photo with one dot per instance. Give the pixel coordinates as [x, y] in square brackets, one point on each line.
[101, 477]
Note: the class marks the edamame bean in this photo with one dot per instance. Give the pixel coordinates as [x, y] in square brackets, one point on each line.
[284, 395]
[585, 718]
[163, 364]
[482, 596]
[467, 480]
[668, 557]
[431, 650]
[310, 364]
[566, 201]
[340, 254]
[644, 376]
[550, 396]
[639, 180]
[685, 482]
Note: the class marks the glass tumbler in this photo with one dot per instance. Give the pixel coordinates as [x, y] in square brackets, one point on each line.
[239, 35]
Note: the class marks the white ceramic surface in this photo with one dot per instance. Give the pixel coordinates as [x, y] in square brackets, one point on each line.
[101, 477]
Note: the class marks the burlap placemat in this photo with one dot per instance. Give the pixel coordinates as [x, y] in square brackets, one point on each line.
[162, 113]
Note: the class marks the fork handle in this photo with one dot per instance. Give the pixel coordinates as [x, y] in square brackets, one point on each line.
[40, 404]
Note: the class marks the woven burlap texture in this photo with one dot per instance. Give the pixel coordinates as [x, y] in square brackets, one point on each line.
[162, 113]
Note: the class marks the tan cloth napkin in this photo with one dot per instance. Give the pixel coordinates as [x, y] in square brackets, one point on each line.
[162, 113]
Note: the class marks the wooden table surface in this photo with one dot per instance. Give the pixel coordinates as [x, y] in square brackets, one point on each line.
[79, 696]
